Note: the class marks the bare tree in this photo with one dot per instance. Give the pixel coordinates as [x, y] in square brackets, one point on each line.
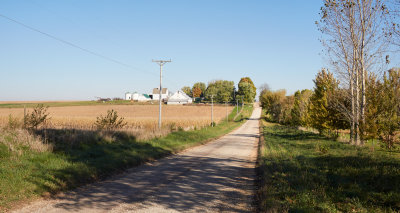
[355, 41]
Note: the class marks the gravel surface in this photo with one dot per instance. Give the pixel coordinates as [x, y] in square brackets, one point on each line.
[216, 177]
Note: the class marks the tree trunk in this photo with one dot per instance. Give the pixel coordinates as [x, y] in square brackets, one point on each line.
[357, 111]
[352, 123]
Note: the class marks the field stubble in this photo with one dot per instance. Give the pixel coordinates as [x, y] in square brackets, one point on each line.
[142, 120]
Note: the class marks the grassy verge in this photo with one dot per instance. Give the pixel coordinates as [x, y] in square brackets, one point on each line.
[27, 171]
[304, 172]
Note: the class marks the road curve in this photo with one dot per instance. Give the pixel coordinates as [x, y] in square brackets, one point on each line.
[216, 177]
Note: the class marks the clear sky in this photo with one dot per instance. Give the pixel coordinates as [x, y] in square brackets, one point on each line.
[274, 42]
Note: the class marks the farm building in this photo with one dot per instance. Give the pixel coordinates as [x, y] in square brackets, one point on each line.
[179, 98]
[165, 94]
[128, 96]
[137, 97]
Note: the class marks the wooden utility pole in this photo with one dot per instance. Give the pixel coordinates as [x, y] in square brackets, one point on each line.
[161, 63]
[237, 106]
[226, 107]
[212, 111]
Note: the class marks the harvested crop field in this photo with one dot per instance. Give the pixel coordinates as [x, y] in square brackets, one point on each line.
[137, 116]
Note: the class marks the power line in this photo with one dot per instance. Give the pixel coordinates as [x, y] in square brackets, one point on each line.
[81, 48]
[70, 43]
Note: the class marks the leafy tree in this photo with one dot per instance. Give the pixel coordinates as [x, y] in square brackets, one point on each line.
[247, 90]
[374, 98]
[201, 86]
[196, 91]
[223, 91]
[187, 90]
[272, 101]
[389, 108]
[323, 114]
[299, 112]
[285, 110]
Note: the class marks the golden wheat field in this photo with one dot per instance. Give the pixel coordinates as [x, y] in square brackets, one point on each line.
[137, 116]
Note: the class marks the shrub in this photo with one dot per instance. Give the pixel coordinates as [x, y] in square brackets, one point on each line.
[38, 117]
[110, 122]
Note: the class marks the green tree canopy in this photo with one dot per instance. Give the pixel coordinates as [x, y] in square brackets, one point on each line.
[323, 114]
[247, 90]
[187, 90]
[223, 91]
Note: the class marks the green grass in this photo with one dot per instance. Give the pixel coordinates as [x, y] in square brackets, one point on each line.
[304, 172]
[25, 174]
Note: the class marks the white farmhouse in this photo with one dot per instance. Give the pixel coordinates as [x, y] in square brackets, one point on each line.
[164, 94]
[179, 98]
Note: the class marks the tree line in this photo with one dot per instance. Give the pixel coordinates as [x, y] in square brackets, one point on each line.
[222, 91]
[358, 37]
[327, 108]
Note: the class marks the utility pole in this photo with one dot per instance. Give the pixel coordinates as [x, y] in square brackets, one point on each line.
[212, 111]
[226, 107]
[237, 106]
[161, 63]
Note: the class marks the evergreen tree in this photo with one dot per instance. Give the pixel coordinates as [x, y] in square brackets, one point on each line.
[323, 115]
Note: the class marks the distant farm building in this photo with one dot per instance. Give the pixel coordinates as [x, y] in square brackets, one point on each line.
[137, 97]
[165, 94]
[179, 98]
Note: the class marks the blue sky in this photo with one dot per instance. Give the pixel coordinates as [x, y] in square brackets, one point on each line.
[274, 42]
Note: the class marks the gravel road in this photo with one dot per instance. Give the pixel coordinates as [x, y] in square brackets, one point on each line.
[216, 177]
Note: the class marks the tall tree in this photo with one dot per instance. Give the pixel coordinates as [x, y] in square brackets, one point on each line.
[322, 115]
[354, 42]
[247, 90]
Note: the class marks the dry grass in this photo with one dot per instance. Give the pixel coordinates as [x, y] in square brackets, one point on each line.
[17, 140]
[142, 119]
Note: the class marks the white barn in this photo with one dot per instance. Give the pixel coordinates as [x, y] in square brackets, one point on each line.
[137, 97]
[164, 94]
[179, 98]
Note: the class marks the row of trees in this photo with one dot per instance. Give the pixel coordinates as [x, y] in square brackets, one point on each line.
[223, 91]
[358, 37]
[327, 108]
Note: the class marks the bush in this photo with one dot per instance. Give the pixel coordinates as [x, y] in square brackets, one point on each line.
[38, 117]
[110, 122]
